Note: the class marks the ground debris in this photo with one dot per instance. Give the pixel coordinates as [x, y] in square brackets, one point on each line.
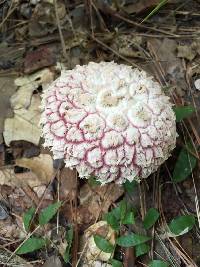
[96, 200]
[15, 261]
[91, 251]
[26, 106]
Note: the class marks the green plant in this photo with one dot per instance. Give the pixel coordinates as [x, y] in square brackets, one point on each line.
[33, 242]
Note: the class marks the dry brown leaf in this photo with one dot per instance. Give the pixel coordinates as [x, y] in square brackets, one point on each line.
[27, 84]
[25, 124]
[26, 106]
[172, 66]
[92, 252]
[99, 198]
[10, 178]
[186, 51]
[41, 166]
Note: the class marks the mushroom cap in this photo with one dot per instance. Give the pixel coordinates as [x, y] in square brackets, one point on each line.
[108, 120]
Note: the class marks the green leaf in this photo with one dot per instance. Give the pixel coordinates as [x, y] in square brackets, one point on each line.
[182, 224]
[183, 112]
[129, 218]
[103, 244]
[184, 165]
[132, 240]
[116, 212]
[47, 214]
[130, 186]
[115, 263]
[69, 238]
[142, 249]
[158, 263]
[151, 218]
[27, 218]
[123, 209]
[31, 244]
[112, 221]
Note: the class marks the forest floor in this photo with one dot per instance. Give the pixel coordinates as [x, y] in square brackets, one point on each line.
[37, 40]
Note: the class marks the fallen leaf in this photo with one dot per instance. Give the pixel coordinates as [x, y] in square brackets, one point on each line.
[53, 261]
[39, 58]
[25, 124]
[27, 84]
[43, 19]
[186, 51]
[26, 106]
[41, 166]
[92, 252]
[172, 66]
[97, 199]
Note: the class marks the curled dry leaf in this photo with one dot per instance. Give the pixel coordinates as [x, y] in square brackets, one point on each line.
[26, 107]
[41, 172]
[27, 84]
[41, 166]
[92, 252]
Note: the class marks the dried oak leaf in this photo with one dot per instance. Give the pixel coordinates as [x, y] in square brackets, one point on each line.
[41, 166]
[92, 252]
[26, 106]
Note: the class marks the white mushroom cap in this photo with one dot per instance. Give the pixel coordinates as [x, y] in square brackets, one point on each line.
[108, 120]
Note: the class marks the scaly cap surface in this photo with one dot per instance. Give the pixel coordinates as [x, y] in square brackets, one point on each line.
[108, 120]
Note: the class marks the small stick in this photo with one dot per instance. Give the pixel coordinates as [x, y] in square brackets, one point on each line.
[59, 30]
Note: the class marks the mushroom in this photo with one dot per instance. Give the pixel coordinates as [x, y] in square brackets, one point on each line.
[108, 120]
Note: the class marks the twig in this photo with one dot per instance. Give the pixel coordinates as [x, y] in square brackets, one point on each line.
[59, 30]
[115, 52]
[10, 11]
